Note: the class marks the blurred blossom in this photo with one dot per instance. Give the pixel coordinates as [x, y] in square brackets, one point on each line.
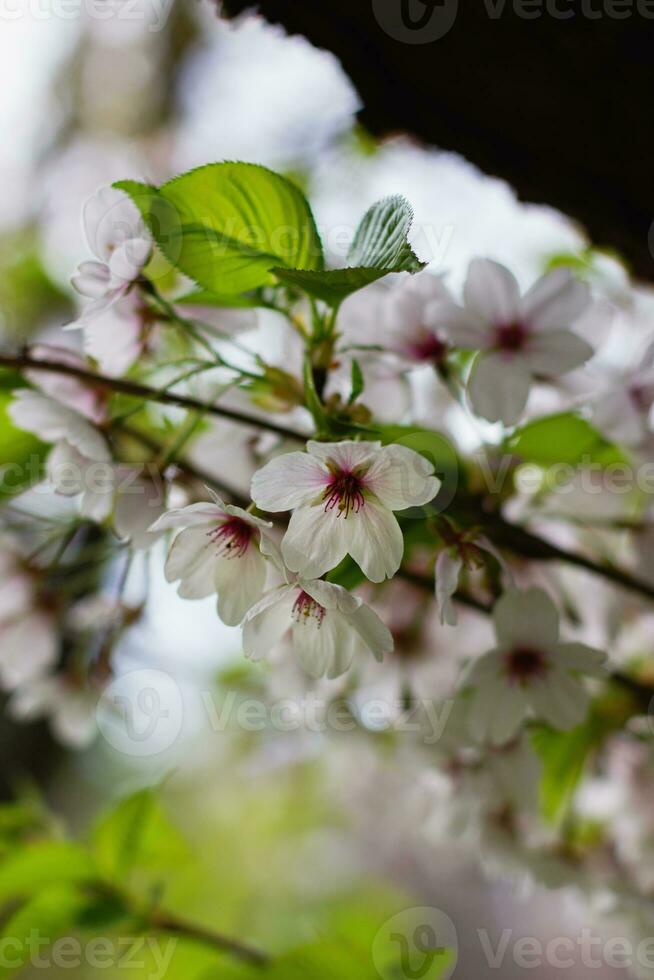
[249, 92]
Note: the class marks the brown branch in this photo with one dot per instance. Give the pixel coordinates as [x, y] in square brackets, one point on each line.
[137, 390]
[165, 922]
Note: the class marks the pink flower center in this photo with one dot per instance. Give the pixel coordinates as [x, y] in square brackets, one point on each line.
[345, 491]
[511, 337]
[525, 665]
[429, 348]
[306, 608]
[232, 538]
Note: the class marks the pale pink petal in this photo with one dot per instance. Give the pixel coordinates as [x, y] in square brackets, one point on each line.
[240, 582]
[288, 481]
[375, 541]
[448, 569]
[267, 621]
[556, 352]
[492, 292]
[317, 540]
[555, 301]
[347, 455]
[400, 477]
[527, 618]
[498, 388]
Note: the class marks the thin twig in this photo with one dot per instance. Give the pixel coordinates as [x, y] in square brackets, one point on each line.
[138, 390]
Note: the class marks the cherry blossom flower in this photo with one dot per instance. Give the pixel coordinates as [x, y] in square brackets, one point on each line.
[343, 496]
[622, 409]
[80, 462]
[28, 637]
[520, 338]
[402, 317]
[221, 548]
[329, 626]
[530, 673]
[69, 707]
[117, 336]
[87, 399]
[462, 550]
[117, 236]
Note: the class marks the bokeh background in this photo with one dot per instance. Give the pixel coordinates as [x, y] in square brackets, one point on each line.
[294, 834]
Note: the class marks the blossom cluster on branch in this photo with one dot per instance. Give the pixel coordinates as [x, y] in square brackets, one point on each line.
[304, 432]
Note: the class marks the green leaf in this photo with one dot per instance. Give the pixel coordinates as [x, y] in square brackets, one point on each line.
[564, 756]
[41, 865]
[136, 834]
[381, 239]
[202, 297]
[357, 382]
[331, 286]
[22, 455]
[380, 246]
[226, 225]
[323, 961]
[561, 438]
[53, 913]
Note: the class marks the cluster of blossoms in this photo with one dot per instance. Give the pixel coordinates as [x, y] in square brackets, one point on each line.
[357, 548]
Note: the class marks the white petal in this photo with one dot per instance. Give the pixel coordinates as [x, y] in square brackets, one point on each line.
[53, 422]
[496, 712]
[579, 656]
[288, 481]
[114, 337]
[267, 621]
[70, 391]
[555, 300]
[528, 618]
[324, 646]
[375, 541]
[16, 595]
[491, 291]
[400, 477]
[560, 700]
[111, 218]
[317, 540]
[508, 715]
[128, 259]
[556, 351]
[448, 569]
[92, 279]
[28, 646]
[239, 584]
[374, 633]
[498, 388]
[73, 721]
[137, 505]
[346, 455]
[203, 514]
[192, 559]
[616, 417]
[65, 469]
[330, 595]
[463, 327]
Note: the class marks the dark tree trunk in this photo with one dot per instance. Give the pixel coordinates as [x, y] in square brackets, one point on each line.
[560, 106]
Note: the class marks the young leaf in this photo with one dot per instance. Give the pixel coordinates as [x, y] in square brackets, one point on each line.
[53, 913]
[381, 238]
[561, 438]
[227, 224]
[380, 246]
[331, 286]
[135, 833]
[357, 381]
[40, 865]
